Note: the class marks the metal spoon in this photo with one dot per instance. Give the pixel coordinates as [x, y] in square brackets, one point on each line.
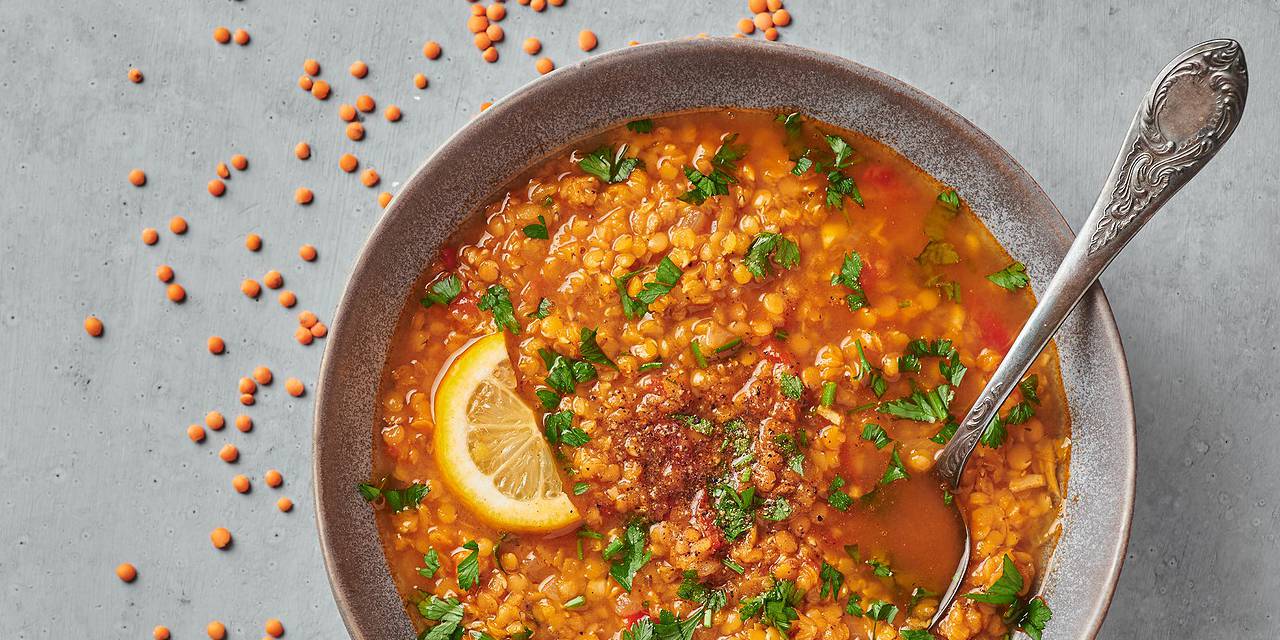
[1184, 119]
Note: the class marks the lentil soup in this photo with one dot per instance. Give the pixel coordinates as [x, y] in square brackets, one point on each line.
[687, 380]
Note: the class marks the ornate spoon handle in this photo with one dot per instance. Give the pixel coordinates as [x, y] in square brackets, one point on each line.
[1184, 120]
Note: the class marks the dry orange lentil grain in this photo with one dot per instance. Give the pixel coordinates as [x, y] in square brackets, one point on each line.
[253, 242]
[216, 345]
[274, 628]
[176, 293]
[137, 177]
[284, 504]
[359, 69]
[222, 170]
[307, 252]
[532, 46]
[346, 113]
[538, 5]
[250, 287]
[287, 299]
[431, 50]
[222, 35]
[763, 21]
[476, 24]
[370, 178]
[306, 83]
[295, 387]
[303, 195]
[384, 199]
[485, 105]
[164, 273]
[420, 81]
[556, 3]
[392, 113]
[477, 10]
[773, 5]
[303, 336]
[320, 90]
[244, 423]
[93, 326]
[482, 41]
[262, 375]
[195, 432]
[319, 330]
[311, 66]
[746, 26]
[239, 162]
[178, 225]
[495, 33]
[241, 483]
[217, 630]
[126, 572]
[587, 40]
[490, 55]
[756, 6]
[495, 12]
[229, 453]
[247, 399]
[365, 104]
[241, 37]
[355, 131]
[150, 236]
[273, 478]
[214, 420]
[135, 76]
[161, 632]
[273, 279]
[217, 188]
[307, 319]
[348, 162]
[302, 151]
[544, 66]
[781, 17]
[770, 34]
[247, 385]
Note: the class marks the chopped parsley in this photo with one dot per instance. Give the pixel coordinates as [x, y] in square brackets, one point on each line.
[832, 580]
[580, 488]
[469, 568]
[733, 566]
[875, 378]
[914, 634]
[717, 182]
[840, 185]
[1029, 615]
[543, 310]
[729, 346]
[564, 373]
[397, 499]
[446, 613]
[837, 498]
[803, 164]
[697, 423]
[630, 553]
[938, 252]
[880, 569]
[775, 509]
[791, 122]
[664, 281]
[880, 611]
[608, 165]
[895, 471]
[575, 602]
[734, 510]
[641, 126]
[949, 199]
[784, 252]
[948, 429]
[875, 434]
[922, 406]
[669, 627]
[590, 349]
[996, 432]
[789, 446]
[538, 230]
[850, 272]
[852, 607]
[828, 394]
[776, 607]
[549, 399]
[442, 292]
[1012, 277]
[918, 594]
[710, 600]
[430, 564]
[791, 385]
[497, 300]
[558, 429]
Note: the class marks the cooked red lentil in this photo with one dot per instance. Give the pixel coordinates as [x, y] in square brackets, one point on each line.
[740, 339]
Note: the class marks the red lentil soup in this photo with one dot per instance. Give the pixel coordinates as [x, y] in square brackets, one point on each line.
[728, 346]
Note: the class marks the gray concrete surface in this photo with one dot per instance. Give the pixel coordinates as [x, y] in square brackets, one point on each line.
[95, 468]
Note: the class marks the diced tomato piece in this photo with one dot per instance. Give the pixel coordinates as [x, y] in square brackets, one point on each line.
[993, 331]
[876, 176]
[634, 617]
[869, 276]
[449, 257]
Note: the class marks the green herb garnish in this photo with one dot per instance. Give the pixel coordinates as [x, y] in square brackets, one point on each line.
[641, 126]
[875, 434]
[469, 568]
[663, 282]
[608, 165]
[1012, 277]
[397, 499]
[784, 252]
[558, 429]
[497, 300]
[590, 350]
[850, 272]
[630, 552]
[442, 292]
[538, 230]
[430, 564]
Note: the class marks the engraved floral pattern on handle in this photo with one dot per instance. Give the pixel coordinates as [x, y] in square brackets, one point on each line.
[1213, 81]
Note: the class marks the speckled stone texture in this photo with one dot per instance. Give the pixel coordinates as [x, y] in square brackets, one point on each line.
[93, 457]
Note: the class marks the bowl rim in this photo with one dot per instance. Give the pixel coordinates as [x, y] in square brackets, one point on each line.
[360, 611]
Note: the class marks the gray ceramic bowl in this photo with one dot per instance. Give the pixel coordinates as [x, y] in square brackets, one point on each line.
[549, 114]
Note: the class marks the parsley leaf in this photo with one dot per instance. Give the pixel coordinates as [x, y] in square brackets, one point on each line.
[564, 373]
[803, 164]
[397, 499]
[948, 429]
[875, 434]
[791, 121]
[938, 252]
[791, 385]
[875, 377]
[879, 568]
[575, 602]
[669, 627]
[537, 231]
[832, 580]
[790, 449]
[608, 165]
[1006, 588]
[837, 498]
[949, 199]
[1034, 617]
[895, 471]
[1012, 277]
[590, 349]
[447, 613]
[784, 252]
[641, 629]
[664, 280]
[775, 509]
[922, 406]
[850, 272]
[469, 568]
[852, 607]
[430, 564]
[776, 607]
[840, 185]
[558, 429]
[842, 150]
[717, 182]
[914, 634]
[543, 310]
[442, 292]
[697, 423]
[580, 488]
[734, 510]
[631, 553]
[497, 300]
[641, 126]
[711, 600]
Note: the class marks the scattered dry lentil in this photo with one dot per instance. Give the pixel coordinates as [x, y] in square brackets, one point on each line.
[319, 330]
[348, 162]
[273, 279]
[240, 483]
[135, 76]
[222, 170]
[303, 196]
[306, 83]
[307, 252]
[431, 50]
[161, 632]
[221, 35]
[495, 33]
[365, 104]
[241, 37]
[346, 113]
[217, 188]
[490, 54]
[287, 299]
[273, 478]
[93, 326]
[239, 162]
[320, 89]
[482, 41]
[781, 18]
[420, 81]
[746, 26]
[150, 236]
[250, 287]
[253, 242]
[274, 628]
[196, 433]
[229, 453]
[217, 630]
[476, 24]
[587, 40]
[178, 225]
[359, 69]
[244, 423]
[262, 375]
[215, 420]
[303, 336]
[302, 151]
[311, 66]
[370, 178]
[307, 319]
[247, 399]
[126, 572]
[392, 113]
[216, 345]
[532, 46]
[384, 199]
[284, 504]
[355, 131]
[247, 385]
[544, 66]
[176, 293]
[295, 387]
[771, 34]
[137, 177]
[164, 273]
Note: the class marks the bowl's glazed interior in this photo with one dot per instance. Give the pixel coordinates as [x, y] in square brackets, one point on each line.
[652, 79]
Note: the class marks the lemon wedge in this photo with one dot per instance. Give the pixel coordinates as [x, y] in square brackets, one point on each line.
[489, 448]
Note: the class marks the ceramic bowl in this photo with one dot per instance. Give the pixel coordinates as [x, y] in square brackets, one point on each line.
[551, 113]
